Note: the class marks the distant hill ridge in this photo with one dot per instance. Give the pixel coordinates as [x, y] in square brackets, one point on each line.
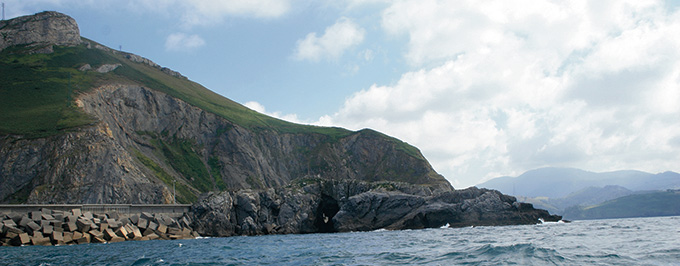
[556, 182]
[578, 194]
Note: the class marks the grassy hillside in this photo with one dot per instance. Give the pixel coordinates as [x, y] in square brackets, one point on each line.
[38, 92]
[663, 203]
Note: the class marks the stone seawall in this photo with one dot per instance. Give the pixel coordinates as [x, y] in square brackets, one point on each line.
[92, 223]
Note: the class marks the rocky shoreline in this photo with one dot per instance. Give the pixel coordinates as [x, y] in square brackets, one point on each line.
[323, 206]
[48, 227]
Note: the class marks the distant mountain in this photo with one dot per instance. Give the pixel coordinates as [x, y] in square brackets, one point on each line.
[661, 203]
[585, 197]
[554, 182]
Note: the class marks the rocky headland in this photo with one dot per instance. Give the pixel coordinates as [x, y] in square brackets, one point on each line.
[150, 129]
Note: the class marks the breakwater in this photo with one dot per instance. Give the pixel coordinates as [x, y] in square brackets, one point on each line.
[92, 223]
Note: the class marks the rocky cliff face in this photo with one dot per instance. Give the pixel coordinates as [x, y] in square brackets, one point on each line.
[125, 157]
[41, 30]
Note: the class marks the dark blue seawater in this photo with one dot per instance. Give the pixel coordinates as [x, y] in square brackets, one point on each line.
[640, 241]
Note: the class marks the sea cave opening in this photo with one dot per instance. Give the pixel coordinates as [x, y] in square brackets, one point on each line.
[328, 207]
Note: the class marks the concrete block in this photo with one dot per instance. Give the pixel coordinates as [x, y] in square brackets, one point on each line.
[96, 233]
[16, 217]
[122, 232]
[153, 236]
[68, 237]
[58, 216]
[101, 216]
[134, 219]
[2, 228]
[12, 229]
[12, 235]
[77, 235]
[186, 232]
[133, 232]
[57, 237]
[195, 234]
[147, 232]
[83, 225]
[33, 226]
[114, 215]
[184, 222]
[24, 221]
[142, 223]
[59, 229]
[77, 212]
[109, 234]
[83, 239]
[57, 223]
[174, 231]
[116, 239]
[70, 218]
[47, 229]
[147, 216]
[88, 215]
[22, 239]
[46, 211]
[48, 217]
[71, 226]
[43, 222]
[103, 226]
[96, 220]
[40, 240]
[36, 215]
[162, 228]
[152, 225]
[98, 238]
[9, 222]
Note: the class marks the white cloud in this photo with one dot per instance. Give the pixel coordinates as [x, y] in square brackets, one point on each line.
[205, 12]
[501, 87]
[255, 106]
[336, 39]
[181, 42]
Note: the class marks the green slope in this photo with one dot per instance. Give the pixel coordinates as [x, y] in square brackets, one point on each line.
[38, 92]
[662, 203]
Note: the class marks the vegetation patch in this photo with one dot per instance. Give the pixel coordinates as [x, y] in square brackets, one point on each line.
[184, 194]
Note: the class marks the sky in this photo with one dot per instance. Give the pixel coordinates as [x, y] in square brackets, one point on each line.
[483, 88]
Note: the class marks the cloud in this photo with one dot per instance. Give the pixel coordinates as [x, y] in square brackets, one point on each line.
[181, 42]
[498, 87]
[255, 106]
[205, 12]
[336, 39]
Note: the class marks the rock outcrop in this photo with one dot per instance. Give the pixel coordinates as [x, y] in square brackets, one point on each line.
[41, 30]
[343, 206]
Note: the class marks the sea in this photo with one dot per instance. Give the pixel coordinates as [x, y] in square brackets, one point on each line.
[637, 241]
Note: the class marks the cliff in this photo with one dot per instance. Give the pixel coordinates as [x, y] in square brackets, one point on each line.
[138, 133]
[41, 30]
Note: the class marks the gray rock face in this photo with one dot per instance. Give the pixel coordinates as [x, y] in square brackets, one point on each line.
[87, 166]
[45, 28]
[361, 206]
